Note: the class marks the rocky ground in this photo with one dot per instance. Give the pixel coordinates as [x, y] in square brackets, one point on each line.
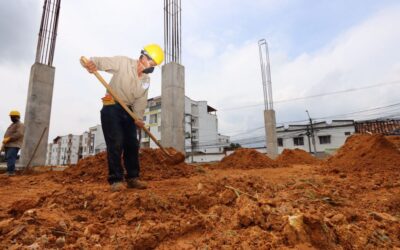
[246, 201]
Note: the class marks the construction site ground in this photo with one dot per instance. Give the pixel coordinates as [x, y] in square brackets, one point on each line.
[246, 201]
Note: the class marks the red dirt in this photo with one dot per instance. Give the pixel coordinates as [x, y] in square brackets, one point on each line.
[245, 158]
[299, 207]
[295, 156]
[366, 153]
[395, 139]
[152, 164]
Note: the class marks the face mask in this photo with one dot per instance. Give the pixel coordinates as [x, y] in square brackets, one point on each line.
[14, 119]
[148, 70]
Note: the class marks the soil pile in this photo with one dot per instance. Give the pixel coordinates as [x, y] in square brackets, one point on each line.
[245, 158]
[395, 139]
[152, 167]
[295, 156]
[366, 152]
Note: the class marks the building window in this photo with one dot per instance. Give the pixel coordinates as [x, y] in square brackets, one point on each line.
[153, 118]
[280, 142]
[347, 133]
[298, 141]
[326, 139]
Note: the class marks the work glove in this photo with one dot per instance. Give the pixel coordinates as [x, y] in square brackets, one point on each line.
[6, 140]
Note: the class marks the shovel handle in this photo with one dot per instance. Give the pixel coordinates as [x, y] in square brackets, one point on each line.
[84, 61]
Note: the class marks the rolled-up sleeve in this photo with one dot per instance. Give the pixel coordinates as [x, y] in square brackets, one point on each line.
[108, 64]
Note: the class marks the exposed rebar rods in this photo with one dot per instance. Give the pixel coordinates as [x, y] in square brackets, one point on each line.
[266, 74]
[172, 31]
[48, 32]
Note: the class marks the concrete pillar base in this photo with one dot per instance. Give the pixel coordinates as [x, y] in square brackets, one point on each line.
[173, 106]
[37, 115]
[270, 132]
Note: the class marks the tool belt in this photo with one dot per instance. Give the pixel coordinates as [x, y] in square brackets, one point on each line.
[108, 100]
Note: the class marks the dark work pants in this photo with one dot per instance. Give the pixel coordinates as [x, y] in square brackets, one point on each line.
[11, 158]
[119, 131]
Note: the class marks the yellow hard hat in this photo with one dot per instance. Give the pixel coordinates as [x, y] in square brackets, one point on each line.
[155, 52]
[15, 113]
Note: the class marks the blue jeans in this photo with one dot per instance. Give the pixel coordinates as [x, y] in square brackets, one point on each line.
[11, 158]
[119, 131]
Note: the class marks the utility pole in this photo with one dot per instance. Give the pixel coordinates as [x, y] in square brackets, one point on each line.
[308, 137]
[312, 133]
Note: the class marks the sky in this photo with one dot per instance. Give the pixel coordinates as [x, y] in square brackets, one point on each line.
[315, 46]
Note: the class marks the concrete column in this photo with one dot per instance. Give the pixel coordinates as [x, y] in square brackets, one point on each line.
[270, 132]
[173, 106]
[37, 114]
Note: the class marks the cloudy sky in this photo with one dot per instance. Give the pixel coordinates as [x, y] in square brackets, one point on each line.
[316, 47]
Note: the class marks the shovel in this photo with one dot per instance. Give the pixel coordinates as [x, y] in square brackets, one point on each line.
[172, 158]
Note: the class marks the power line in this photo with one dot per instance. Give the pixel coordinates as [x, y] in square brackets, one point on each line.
[315, 96]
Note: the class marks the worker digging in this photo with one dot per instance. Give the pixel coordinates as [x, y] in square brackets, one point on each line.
[130, 82]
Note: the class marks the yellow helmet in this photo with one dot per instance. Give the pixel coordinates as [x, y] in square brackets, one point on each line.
[15, 113]
[155, 52]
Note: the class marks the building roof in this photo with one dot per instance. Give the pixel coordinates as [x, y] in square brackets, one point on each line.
[210, 109]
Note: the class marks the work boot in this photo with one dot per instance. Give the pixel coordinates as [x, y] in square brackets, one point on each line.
[135, 183]
[117, 186]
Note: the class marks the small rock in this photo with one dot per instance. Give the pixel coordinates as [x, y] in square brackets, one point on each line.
[200, 186]
[82, 242]
[342, 175]
[95, 238]
[44, 239]
[62, 224]
[249, 213]
[98, 246]
[133, 214]
[34, 246]
[338, 219]
[227, 196]
[6, 226]
[60, 242]
[383, 216]
[30, 212]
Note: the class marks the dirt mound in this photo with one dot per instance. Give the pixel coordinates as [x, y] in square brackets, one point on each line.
[366, 152]
[245, 158]
[395, 139]
[295, 156]
[152, 167]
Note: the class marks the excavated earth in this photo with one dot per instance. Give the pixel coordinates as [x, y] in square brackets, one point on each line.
[350, 201]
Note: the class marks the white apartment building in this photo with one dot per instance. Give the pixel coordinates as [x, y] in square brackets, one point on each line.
[201, 127]
[328, 136]
[64, 150]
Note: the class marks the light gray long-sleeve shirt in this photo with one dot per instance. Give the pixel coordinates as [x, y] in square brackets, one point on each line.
[125, 81]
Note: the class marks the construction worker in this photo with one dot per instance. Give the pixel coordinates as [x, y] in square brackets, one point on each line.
[130, 82]
[12, 141]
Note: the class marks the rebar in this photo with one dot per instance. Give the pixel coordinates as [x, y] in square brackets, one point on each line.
[172, 31]
[48, 32]
[266, 74]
